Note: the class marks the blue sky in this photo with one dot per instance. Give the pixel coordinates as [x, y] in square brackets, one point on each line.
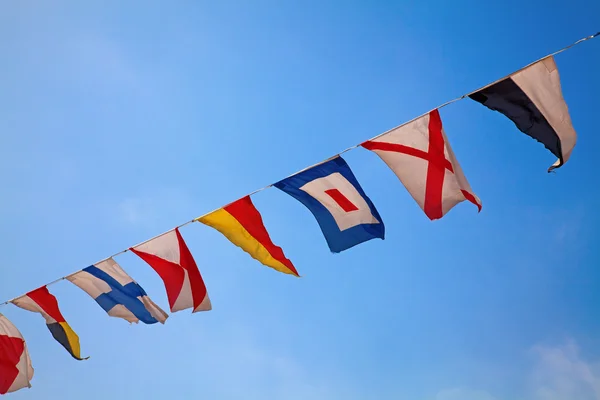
[119, 121]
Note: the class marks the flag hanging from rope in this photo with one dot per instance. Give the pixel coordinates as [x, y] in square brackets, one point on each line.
[16, 371]
[43, 302]
[421, 157]
[331, 192]
[241, 223]
[532, 99]
[117, 293]
[170, 257]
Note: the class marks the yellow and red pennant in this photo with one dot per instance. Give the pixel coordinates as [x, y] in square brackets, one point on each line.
[241, 223]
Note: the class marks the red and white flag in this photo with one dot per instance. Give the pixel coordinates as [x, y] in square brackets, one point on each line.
[169, 256]
[421, 157]
[15, 365]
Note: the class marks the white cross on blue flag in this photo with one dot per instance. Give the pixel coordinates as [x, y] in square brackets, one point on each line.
[117, 293]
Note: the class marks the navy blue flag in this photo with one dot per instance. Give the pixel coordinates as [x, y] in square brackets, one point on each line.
[532, 99]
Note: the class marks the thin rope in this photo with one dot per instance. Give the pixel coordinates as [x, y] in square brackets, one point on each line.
[332, 157]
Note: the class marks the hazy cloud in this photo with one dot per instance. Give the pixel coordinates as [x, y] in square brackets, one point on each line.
[560, 373]
[557, 373]
[148, 209]
[463, 394]
[96, 58]
[264, 373]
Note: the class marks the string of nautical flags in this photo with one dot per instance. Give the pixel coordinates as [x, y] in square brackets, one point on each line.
[418, 152]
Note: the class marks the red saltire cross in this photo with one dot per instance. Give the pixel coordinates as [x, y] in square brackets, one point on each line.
[436, 167]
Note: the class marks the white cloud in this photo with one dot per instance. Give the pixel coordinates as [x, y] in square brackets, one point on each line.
[98, 59]
[463, 394]
[136, 210]
[150, 209]
[561, 374]
[557, 373]
[261, 372]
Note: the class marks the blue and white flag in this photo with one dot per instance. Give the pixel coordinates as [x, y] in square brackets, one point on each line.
[117, 293]
[346, 215]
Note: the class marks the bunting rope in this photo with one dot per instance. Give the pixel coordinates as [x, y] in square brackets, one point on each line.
[332, 157]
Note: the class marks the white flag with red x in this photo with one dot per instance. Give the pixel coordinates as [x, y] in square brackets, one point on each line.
[421, 157]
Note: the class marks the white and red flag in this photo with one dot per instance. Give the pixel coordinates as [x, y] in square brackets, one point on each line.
[421, 157]
[15, 365]
[169, 256]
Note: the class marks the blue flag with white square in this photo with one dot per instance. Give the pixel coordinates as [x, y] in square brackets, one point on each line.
[346, 215]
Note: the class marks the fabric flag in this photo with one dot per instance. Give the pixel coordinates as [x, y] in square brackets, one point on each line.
[532, 99]
[421, 157]
[346, 215]
[117, 293]
[241, 223]
[16, 371]
[169, 256]
[43, 302]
